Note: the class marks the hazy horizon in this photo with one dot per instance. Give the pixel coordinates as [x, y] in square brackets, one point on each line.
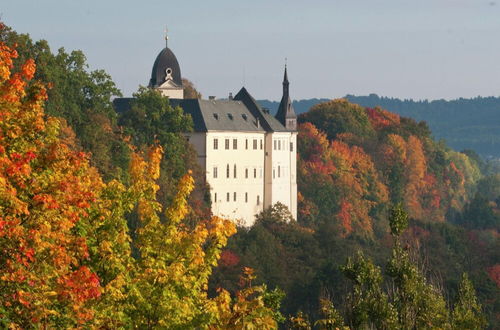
[433, 49]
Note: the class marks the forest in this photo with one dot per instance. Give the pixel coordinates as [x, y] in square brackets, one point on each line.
[462, 123]
[105, 218]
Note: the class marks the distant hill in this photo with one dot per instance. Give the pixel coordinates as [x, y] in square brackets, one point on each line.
[463, 123]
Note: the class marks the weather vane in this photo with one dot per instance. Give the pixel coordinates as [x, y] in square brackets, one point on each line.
[166, 36]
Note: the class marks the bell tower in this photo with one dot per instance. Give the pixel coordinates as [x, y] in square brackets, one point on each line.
[166, 74]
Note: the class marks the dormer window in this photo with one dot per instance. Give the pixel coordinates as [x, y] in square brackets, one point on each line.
[216, 116]
[230, 116]
[244, 116]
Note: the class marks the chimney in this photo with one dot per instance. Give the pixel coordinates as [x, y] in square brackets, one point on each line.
[230, 96]
[211, 98]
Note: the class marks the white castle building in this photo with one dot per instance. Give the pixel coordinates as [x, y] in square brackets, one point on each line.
[249, 155]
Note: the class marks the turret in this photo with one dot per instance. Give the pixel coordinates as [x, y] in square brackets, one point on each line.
[286, 114]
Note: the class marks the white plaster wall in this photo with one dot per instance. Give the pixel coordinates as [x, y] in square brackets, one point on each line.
[281, 169]
[245, 159]
[173, 93]
[263, 161]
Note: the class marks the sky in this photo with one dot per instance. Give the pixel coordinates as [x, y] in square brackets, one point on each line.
[419, 49]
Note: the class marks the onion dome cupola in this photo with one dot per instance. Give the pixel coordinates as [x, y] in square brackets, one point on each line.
[286, 114]
[166, 74]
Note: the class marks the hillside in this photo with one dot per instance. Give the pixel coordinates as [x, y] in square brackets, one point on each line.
[353, 164]
[462, 123]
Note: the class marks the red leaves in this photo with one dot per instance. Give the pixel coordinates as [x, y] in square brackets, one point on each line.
[381, 118]
[80, 285]
[494, 273]
[345, 217]
[228, 258]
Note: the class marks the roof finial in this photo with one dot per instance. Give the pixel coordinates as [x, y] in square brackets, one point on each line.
[285, 78]
[166, 37]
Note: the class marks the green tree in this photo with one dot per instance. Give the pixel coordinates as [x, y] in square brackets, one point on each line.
[467, 313]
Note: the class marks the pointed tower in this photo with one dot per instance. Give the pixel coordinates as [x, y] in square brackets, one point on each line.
[166, 74]
[286, 114]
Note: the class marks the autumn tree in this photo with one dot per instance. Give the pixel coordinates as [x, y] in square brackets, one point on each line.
[79, 95]
[45, 189]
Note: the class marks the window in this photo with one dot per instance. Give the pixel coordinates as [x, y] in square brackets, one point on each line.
[254, 173]
[215, 198]
[234, 196]
[216, 144]
[227, 197]
[246, 144]
[246, 173]
[279, 144]
[279, 171]
[254, 144]
[291, 146]
[227, 171]
[261, 144]
[234, 172]
[215, 172]
[258, 200]
[246, 197]
[260, 173]
[274, 173]
[235, 144]
[227, 144]
[274, 145]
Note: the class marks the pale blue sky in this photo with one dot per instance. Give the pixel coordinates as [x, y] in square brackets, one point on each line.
[401, 48]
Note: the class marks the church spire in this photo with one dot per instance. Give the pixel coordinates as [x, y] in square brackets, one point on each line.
[286, 114]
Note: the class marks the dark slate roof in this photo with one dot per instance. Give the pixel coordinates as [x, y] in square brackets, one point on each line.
[268, 122]
[122, 104]
[240, 114]
[219, 115]
[285, 109]
[165, 59]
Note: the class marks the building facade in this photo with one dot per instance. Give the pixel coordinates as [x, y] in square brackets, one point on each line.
[249, 155]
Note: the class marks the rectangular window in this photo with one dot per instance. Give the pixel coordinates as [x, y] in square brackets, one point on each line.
[274, 145]
[235, 144]
[254, 173]
[234, 196]
[227, 171]
[274, 173]
[279, 171]
[246, 197]
[260, 173]
[227, 144]
[234, 171]
[246, 144]
[254, 144]
[258, 200]
[291, 146]
[279, 144]
[246, 173]
[216, 144]
[227, 197]
[215, 198]
[261, 144]
[215, 172]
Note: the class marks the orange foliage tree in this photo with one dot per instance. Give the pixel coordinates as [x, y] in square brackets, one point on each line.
[45, 189]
